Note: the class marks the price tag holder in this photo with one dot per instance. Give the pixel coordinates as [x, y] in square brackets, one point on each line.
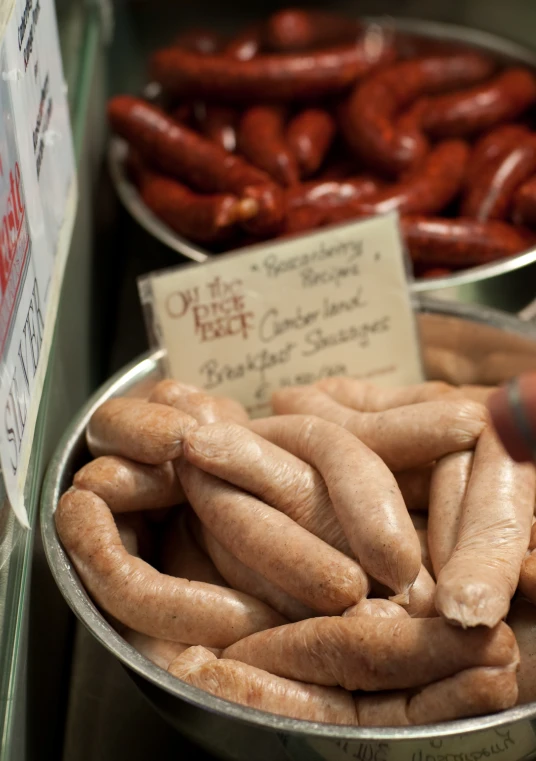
[38, 196]
[289, 312]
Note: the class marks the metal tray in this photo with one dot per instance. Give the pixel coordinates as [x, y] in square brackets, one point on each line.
[231, 731]
[505, 284]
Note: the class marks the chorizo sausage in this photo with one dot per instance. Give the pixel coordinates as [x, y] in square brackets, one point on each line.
[366, 653]
[428, 190]
[203, 165]
[367, 501]
[150, 602]
[204, 408]
[147, 432]
[368, 119]
[200, 218]
[377, 608]
[218, 124]
[472, 692]
[489, 196]
[285, 77]
[459, 243]
[461, 114]
[182, 557]
[262, 140]
[240, 577]
[252, 687]
[127, 486]
[492, 145]
[404, 437]
[476, 584]
[522, 619]
[294, 29]
[309, 136]
[524, 204]
[447, 492]
[326, 194]
[273, 545]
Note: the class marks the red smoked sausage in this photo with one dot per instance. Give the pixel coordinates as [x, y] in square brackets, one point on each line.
[459, 243]
[262, 140]
[524, 204]
[217, 123]
[463, 113]
[281, 77]
[489, 195]
[369, 118]
[309, 136]
[296, 29]
[204, 41]
[203, 165]
[492, 145]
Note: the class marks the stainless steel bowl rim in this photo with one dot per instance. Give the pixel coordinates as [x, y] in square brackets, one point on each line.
[79, 601]
[153, 225]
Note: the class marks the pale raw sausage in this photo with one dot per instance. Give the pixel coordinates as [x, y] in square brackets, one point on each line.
[127, 486]
[366, 653]
[377, 608]
[142, 431]
[447, 492]
[475, 586]
[150, 602]
[203, 407]
[272, 544]
[522, 619]
[404, 437]
[255, 688]
[182, 557]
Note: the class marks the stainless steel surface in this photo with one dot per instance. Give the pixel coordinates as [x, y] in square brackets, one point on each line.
[505, 284]
[461, 336]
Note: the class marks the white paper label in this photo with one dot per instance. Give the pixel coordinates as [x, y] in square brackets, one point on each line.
[290, 312]
[38, 196]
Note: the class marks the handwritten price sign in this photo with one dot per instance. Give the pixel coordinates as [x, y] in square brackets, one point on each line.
[289, 313]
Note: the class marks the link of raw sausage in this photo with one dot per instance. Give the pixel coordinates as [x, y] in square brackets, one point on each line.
[489, 195]
[368, 120]
[202, 407]
[293, 29]
[273, 545]
[404, 437]
[522, 619]
[363, 492]
[459, 243]
[143, 431]
[240, 577]
[285, 77]
[472, 692]
[262, 140]
[377, 608]
[421, 595]
[448, 487]
[150, 602]
[309, 136]
[475, 586]
[367, 653]
[252, 687]
[203, 165]
[127, 486]
[460, 114]
[368, 397]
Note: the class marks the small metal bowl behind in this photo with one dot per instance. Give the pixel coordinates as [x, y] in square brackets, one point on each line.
[505, 284]
[461, 344]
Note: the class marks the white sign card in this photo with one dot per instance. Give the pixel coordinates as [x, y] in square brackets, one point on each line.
[289, 312]
[38, 195]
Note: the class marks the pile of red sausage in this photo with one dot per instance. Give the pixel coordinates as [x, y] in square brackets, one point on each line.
[310, 119]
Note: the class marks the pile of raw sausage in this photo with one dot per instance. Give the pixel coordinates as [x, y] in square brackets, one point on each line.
[310, 119]
[351, 559]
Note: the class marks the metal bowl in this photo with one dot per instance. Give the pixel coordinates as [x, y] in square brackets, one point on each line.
[505, 284]
[461, 343]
